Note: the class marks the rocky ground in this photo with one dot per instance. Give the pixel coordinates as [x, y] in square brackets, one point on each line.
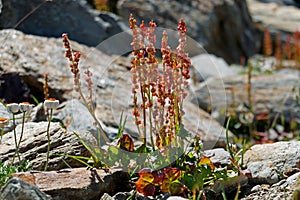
[216, 86]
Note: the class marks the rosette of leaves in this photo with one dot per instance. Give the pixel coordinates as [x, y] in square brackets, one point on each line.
[151, 182]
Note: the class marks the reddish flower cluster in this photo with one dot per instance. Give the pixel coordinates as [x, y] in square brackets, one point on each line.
[161, 90]
[267, 43]
[290, 50]
[278, 48]
[89, 81]
[45, 86]
[73, 58]
[296, 54]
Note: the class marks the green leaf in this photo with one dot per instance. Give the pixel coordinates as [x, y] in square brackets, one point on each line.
[121, 125]
[81, 159]
[143, 149]
[183, 133]
[94, 155]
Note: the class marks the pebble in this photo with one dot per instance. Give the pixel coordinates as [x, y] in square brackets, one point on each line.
[256, 188]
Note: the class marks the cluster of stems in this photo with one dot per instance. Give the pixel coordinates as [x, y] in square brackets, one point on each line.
[290, 50]
[161, 90]
[24, 108]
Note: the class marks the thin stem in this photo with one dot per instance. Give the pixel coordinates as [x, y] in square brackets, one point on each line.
[227, 140]
[2, 132]
[249, 88]
[94, 117]
[30, 13]
[16, 143]
[150, 121]
[144, 115]
[21, 136]
[48, 136]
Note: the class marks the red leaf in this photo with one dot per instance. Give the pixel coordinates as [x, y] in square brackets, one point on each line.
[126, 143]
[146, 175]
[149, 190]
[172, 174]
[158, 177]
[165, 187]
[144, 187]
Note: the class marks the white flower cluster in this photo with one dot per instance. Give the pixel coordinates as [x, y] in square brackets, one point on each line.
[51, 103]
[22, 107]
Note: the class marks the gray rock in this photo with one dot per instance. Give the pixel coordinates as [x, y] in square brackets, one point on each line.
[76, 117]
[38, 113]
[267, 162]
[17, 189]
[77, 183]
[292, 179]
[218, 157]
[223, 27]
[208, 65]
[106, 197]
[53, 18]
[275, 16]
[176, 198]
[267, 94]
[34, 145]
[282, 2]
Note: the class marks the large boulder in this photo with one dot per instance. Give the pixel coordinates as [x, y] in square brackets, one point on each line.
[67, 184]
[52, 18]
[34, 146]
[275, 163]
[222, 27]
[270, 93]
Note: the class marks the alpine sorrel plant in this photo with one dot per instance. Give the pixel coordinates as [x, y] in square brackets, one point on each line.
[74, 58]
[161, 91]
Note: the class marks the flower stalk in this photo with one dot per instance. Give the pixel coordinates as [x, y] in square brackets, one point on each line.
[50, 103]
[14, 108]
[24, 107]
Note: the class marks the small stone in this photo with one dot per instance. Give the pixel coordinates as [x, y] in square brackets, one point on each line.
[77, 183]
[256, 188]
[292, 179]
[279, 183]
[106, 196]
[176, 198]
[268, 167]
[17, 189]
